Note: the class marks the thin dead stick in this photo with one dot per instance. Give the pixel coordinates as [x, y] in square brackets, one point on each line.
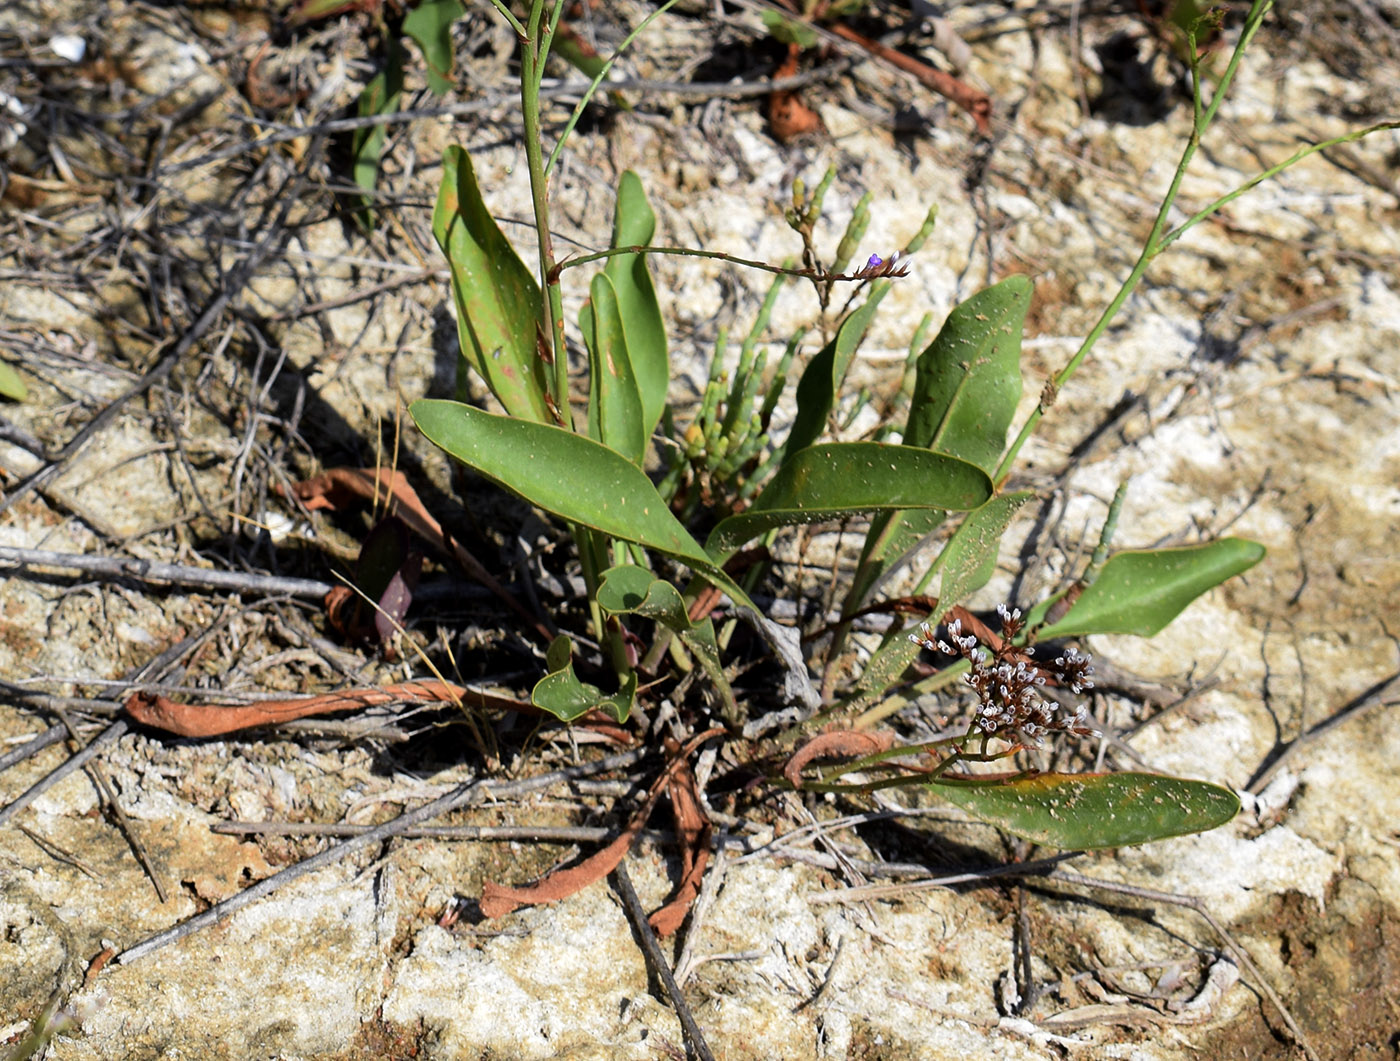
[171, 574]
[652, 949]
[973, 100]
[894, 891]
[105, 789]
[1191, 902]
[52, 735]
[461, 796]
[167, 362]
[76, 762]
[561, 834]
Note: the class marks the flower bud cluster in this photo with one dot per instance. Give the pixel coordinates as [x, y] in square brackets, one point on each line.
[1008, 681]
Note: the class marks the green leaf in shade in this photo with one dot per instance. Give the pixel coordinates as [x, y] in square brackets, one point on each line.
[497, 299]
[629, 589]
[430, 26]
[1141, 591]
[614, 406]
[969, 559]
[822, 378]
[563, 695]
[11, 386]
[1083, 811]
[788, 30]
[968, 380]
[569, 476]
[966, 386]
[380, 96]
[839, 479]
[634, 225]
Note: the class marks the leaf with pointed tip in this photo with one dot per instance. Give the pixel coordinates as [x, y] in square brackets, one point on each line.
[1141, 591]
[380, 96]
[569, 476]
[969, 559]
[634, 224]
[839, 479]
[430, 26]
[498, 302]
[824, 374]
[614, 406]
[1084, 811]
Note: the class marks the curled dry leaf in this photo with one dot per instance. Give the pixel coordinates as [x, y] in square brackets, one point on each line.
[338, 487]
[693, 830]
[217, 720]
[497, 900]
[843, 744]
[787, 114]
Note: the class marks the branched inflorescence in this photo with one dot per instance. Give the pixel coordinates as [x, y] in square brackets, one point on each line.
[1008, 681]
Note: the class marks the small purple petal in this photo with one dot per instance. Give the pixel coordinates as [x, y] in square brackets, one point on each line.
[875, 262]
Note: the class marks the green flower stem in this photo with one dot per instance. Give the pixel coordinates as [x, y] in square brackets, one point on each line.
[599, 79]
[896, 703]
[506, 14]
[692, 252]
[532, 56]
[1155, 244]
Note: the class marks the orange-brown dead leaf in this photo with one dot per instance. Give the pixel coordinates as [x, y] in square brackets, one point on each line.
[693, 831]
[845, 744]
[217, 720]
[976, 102]
[339, 487]
[787, 114]
[497, 900]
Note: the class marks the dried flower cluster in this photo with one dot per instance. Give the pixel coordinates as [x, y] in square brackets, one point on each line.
[1007, 681]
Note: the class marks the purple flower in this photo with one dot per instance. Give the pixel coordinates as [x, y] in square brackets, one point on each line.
[875, 262]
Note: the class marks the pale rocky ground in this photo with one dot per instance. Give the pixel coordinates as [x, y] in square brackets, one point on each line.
[1259, 369]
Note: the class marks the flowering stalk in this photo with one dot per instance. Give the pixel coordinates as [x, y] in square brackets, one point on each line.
[1008, 681]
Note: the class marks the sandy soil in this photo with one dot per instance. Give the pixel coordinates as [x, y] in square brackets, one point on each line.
[1249, 389]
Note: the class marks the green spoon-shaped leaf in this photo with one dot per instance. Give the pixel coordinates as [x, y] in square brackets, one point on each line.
[569, 476]
[1141, 591]
[634, 224]
[838, 479]
[632, 590]
[1082, 811]
[498, 301]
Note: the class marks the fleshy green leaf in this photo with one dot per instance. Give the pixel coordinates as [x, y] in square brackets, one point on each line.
[570, 476]
[839, 479]
[430, 26]
[822, 378]
[789, 30]
[11, 386]
[1141, 591]
[1082, 811]
[497, 299]
[629, 589]
[563, 695]
[380, 96]
[614, 406]
[968, 380]
[634, 224]
[969, 559]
